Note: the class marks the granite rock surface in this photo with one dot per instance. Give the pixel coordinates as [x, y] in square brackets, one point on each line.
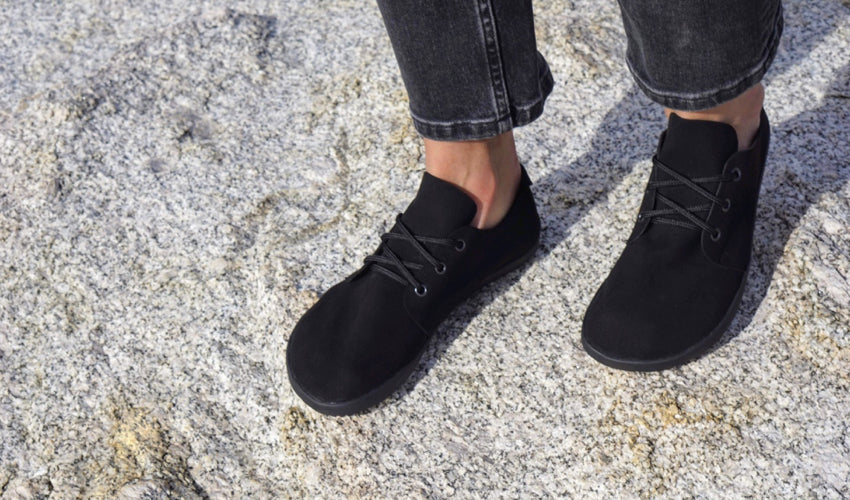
[180, 180]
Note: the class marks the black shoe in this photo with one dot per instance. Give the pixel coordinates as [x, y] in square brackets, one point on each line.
[364, 337]
[679, 281]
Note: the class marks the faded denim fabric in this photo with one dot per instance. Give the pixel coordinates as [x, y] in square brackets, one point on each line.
[472, 70]
[696, 54]
[471, 67]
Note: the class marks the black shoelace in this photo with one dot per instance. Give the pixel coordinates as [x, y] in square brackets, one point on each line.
[693, 221]
[391, 265]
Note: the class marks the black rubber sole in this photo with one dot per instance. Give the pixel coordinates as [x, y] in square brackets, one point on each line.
[690, 354]
[386, 389]
[368, 400]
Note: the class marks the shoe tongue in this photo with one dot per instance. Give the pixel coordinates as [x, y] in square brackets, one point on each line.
[438, 208]
[694, 148]
[697, 148]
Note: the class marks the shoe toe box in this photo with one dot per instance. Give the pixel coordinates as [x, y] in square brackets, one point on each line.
[354, 339]
[647, 318]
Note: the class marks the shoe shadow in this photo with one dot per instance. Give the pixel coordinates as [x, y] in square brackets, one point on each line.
[809, 158]
[451, 329]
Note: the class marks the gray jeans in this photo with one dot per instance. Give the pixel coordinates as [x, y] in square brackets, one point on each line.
[472, 69]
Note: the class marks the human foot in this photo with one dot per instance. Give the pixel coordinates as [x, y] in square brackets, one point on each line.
[488, 171]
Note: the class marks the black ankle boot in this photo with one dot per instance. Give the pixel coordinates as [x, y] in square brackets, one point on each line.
[364, 337]
[679, 281]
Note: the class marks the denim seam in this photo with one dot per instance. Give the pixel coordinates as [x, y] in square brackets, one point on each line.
[506, 116]
[702, 100]
[462, 131]
[494, 57]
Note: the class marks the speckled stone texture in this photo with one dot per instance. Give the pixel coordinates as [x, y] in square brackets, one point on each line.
[180, 180]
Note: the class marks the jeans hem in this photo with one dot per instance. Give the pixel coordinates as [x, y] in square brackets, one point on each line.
[704, 100]
[470, 130]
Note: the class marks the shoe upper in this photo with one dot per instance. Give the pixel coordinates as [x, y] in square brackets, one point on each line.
[686, 259]
[372, 325]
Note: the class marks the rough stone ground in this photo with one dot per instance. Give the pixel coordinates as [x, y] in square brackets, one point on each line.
[180, 180]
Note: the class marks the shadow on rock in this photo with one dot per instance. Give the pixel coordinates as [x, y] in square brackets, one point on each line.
[809, 157]
[564, 197]
[628, 135]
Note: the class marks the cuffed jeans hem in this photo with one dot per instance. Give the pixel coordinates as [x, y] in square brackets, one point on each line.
[706, 100]
[485, 129]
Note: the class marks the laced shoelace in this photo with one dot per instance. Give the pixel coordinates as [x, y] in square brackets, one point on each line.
[391, 265]
[690, 213]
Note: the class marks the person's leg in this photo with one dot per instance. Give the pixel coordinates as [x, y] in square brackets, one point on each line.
[743, 113]
[487, 170]
[704, 61]
[679, 281]
[472, 74]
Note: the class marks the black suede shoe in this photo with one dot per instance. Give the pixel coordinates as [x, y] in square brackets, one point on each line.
[364, 337]
[679, 281]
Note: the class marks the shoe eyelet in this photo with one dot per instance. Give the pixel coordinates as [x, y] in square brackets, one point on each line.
[716, 235]
[640, 217]
[727, 204]
[420, 290]
[736, 174]
[440, 269]
[460, 245]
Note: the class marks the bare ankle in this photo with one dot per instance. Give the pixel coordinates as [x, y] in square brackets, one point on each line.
[487, 170]
[743, 113]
